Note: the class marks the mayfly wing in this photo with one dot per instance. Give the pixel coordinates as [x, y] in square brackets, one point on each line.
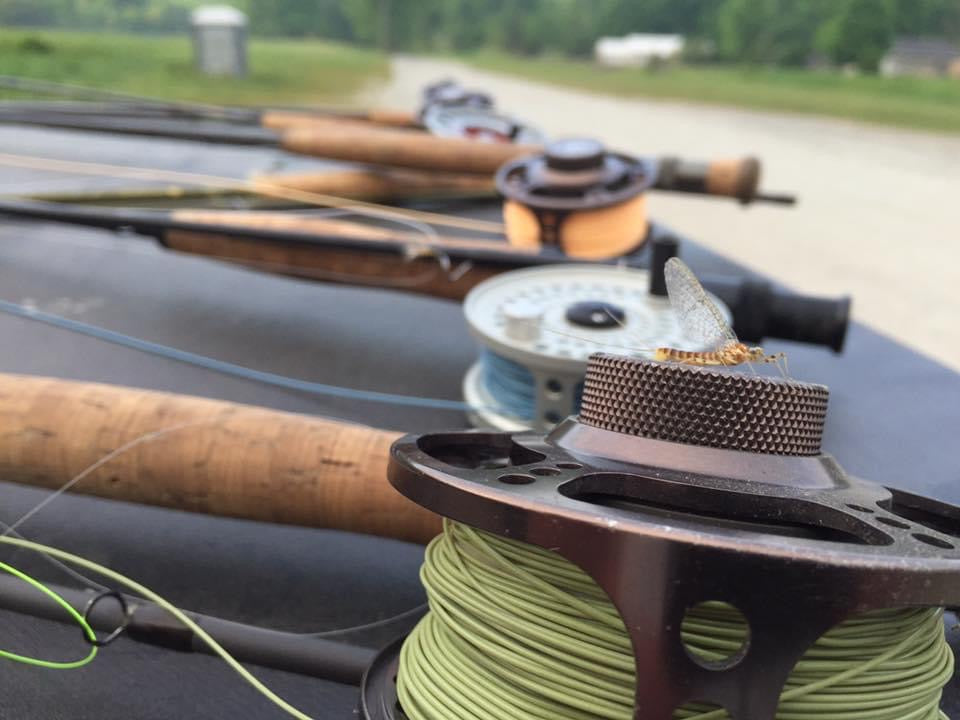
[699, 316]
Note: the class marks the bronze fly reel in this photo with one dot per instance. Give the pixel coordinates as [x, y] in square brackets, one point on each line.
[579, 196]
[678, 485]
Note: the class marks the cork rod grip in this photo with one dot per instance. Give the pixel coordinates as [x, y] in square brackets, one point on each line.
[332, 264]
[290, 223]
[386, 118]
[217, 458]
[738, 178]
[393, 118]
[221, 221]
[402, 149]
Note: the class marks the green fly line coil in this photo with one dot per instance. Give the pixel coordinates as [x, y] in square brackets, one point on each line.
[517, 631]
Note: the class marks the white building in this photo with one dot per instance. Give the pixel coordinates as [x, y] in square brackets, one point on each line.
[219, 40]
[921, 56]
[638, 49]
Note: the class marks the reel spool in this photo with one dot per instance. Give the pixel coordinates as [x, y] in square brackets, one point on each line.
[434, 89]
[449, 93]
[539, 326]
[449, 110]
[678, 485]
[578, 196]
[478, 123]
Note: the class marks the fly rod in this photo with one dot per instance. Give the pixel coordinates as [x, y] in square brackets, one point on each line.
[147, 623]
[446, 108]
[370, 184]
[111, 101]
[320, 249]
[330, 250]
[733, 178]
[332, 140]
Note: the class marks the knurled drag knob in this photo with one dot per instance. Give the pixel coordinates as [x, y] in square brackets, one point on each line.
[700, 406]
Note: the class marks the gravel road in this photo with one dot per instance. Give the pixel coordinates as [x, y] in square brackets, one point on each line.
[879, 212]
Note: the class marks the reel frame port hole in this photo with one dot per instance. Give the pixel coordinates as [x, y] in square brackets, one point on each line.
[516, 479]
[554, 388]
[926, 512]
[545, 471]
[722, 508]
[487, 451]
[891, 522]
[715, 654]
[933, 541]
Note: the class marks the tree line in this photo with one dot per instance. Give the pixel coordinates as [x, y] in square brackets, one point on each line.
[769, 32]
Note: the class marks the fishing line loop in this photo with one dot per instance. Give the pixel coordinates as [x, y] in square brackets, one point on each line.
[88, 632]
[145, 592]
[119, 630]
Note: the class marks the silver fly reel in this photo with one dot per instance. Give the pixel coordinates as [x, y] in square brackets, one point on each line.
[537, 327]
[450, 110]
[479, 123]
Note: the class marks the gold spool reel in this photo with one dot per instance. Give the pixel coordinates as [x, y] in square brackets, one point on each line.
[576, 195]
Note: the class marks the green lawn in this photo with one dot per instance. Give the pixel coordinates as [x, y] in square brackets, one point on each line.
[288, 71]
[922, 103]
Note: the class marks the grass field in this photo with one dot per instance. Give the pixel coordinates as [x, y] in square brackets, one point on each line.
[921, 103]
[280, 70]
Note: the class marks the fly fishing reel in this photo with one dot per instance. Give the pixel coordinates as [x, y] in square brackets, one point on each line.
[538, 327]
[678, 486]
[450, 93]
[578, 196]
[478, 123]
[449, 110]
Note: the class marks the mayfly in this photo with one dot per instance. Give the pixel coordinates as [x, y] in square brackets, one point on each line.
[703, 322]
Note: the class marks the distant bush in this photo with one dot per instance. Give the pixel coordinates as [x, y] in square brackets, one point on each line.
[35, 45]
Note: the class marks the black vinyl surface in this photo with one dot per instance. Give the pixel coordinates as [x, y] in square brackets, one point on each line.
[894, 418]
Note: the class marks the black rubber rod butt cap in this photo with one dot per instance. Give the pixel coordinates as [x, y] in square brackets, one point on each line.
[662, 249]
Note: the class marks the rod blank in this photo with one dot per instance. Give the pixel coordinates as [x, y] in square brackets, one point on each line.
[150, 624]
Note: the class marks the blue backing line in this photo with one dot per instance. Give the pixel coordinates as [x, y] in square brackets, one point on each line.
[510, 384]
[513, 386]
[226, 368]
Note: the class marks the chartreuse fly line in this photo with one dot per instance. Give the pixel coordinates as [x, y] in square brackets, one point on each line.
[516, 631]
[150, 595]
[69, 609]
